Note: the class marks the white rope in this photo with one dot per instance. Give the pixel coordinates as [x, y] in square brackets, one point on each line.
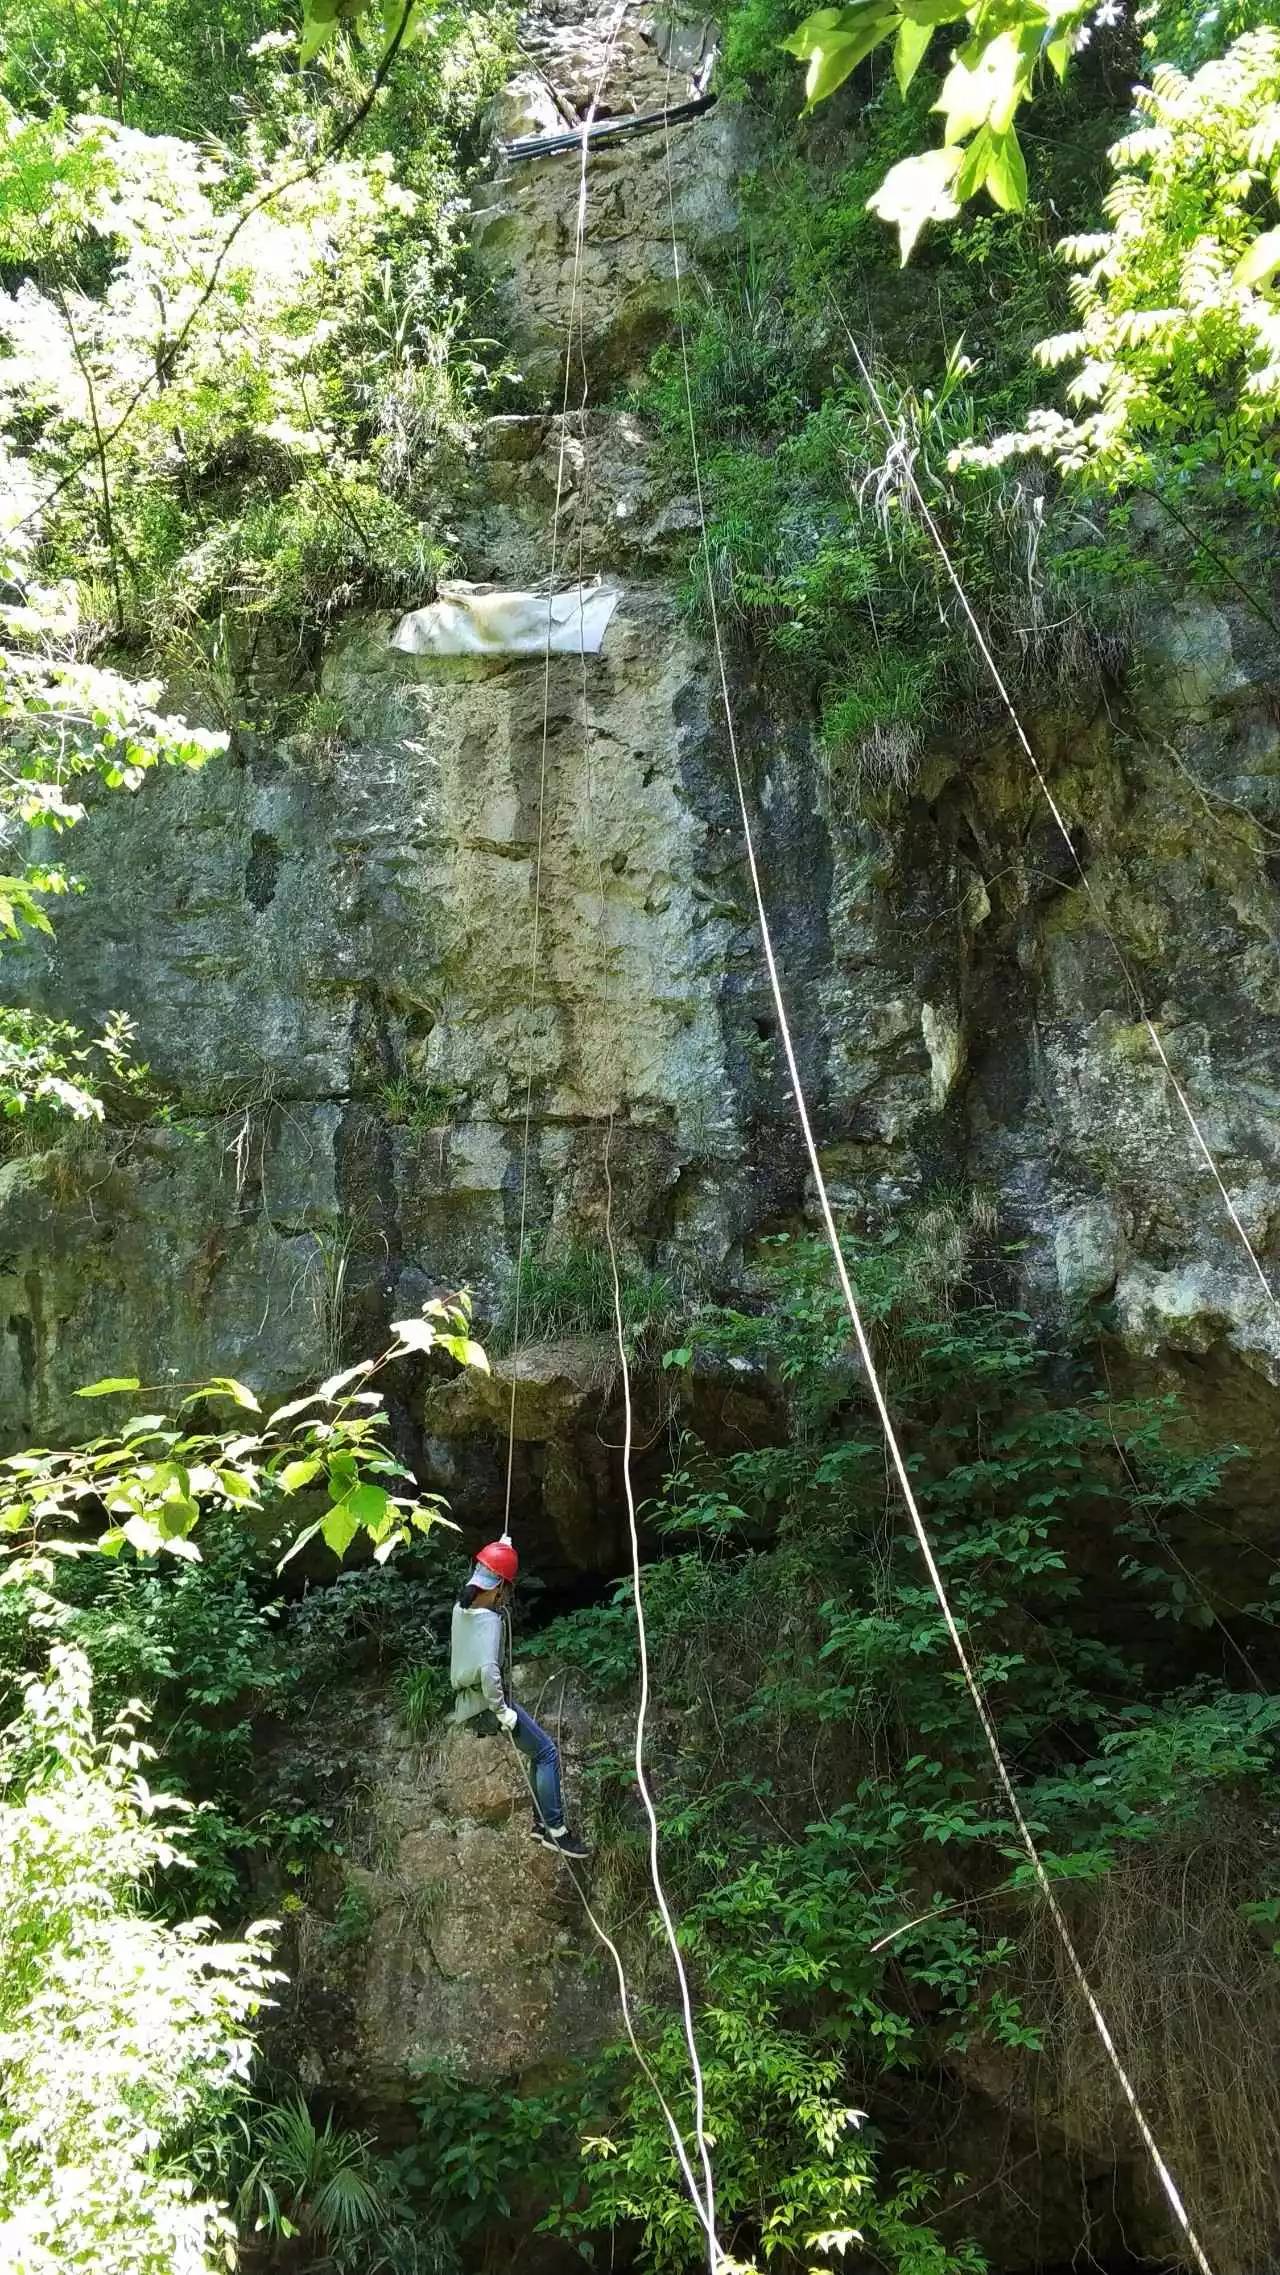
[704, 2206]
[536, 922]
[642, 1711]
[982, 644]
[706, 2202]
[624, 2001]
[937, 1582]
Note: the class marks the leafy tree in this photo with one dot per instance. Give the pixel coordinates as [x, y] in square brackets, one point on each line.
[165, 66]
[65, 721]
[154, 1477]
[855, 1905]
[1177, 332]
[124, 2041]
[991, 75]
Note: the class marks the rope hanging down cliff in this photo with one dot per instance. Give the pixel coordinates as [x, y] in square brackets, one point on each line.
[906, 465]
[967, 1668]
[703, 2199]
[580, 222]
[707, 2203]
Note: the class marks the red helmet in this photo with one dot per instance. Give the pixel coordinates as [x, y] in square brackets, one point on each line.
[500, 1558]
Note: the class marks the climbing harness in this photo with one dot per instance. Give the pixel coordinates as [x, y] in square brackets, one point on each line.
[967, 1668]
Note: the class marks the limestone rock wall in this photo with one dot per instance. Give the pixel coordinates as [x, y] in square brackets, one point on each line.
[327, 942]
[444, 1936]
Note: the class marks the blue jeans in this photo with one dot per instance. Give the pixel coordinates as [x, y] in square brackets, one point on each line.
[542, 1760]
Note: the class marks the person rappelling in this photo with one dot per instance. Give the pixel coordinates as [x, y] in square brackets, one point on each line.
[480, 1691]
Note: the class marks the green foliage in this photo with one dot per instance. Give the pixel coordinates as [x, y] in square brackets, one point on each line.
[819, 552]
[1177, 331]
[195, 1644]
[479, 2149]
[423, 1696]
[570, 1292]
[229, 366]
[63, 723]
[155, 1477]
[50, 1070]
[169, 67]
[125, 2041]
[991, 75]
[352, 1921]
[854, 1902]
[1187, 33]
[419, 1106]
[322, 2188]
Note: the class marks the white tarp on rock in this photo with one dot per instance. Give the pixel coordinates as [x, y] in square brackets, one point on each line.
[482, 620]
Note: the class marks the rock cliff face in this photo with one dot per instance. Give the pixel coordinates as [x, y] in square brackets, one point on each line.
[446, 1937]
[328, 945]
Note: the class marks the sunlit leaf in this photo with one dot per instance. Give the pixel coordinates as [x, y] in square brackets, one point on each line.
[226, 1386]
[109, 1385]
[338, 1382]
[339, 1527]
[909, 51]
[308, 1533]
[465, 1351]
[916, 191]
[296, 1474]
[1006, 176]
[1261, 261]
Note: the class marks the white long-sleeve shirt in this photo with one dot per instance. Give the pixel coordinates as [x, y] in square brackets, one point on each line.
[475, 1661]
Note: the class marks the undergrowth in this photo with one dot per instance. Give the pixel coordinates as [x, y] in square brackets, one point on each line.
[819, 554]
[570, 1291]
[855, 1903]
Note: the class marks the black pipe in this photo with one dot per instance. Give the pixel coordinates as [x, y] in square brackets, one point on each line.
[610, 129]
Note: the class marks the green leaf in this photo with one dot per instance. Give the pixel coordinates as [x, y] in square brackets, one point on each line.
[177, 1516]
[818, 29]
[1261, 261]
[932, 12]
[1006, 176]
[109, 1385]
[319, 23]
[1058, 52]
[141, 1425]
[973, 166]
[983, 86]
[467, 1352]
[909, 50]
[415, 1334]
[295, 1406]
[338, 1382]
[308, 1533]
[226, 1386]
[830, 67]
[296, 1474]
[366, 1503]
[339, 1525]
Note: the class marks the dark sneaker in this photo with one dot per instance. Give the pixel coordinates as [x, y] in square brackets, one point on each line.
[562, 1842]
